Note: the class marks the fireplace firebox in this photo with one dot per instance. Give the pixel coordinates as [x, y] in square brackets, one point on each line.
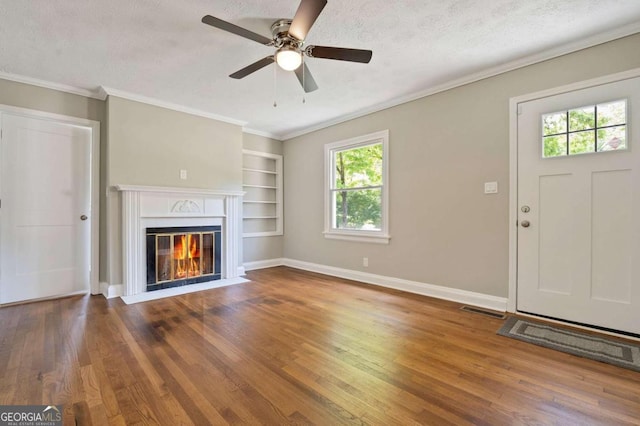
[178, 256]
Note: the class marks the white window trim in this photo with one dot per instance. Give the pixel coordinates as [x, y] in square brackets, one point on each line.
[380, 237]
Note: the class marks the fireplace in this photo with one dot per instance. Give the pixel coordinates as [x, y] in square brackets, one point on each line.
[148, 207]
[178, 256]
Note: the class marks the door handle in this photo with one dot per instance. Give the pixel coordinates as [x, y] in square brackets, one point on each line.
[84, 217]
[525, 223]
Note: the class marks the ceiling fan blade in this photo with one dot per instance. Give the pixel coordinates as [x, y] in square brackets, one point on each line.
[339, 53]
[309, 84]
[306, 15]
[252, 68]
[229, 27]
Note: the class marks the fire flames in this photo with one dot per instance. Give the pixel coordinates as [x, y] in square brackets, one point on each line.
[186, 256]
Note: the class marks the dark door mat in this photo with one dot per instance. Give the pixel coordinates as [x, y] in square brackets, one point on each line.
[612, 351]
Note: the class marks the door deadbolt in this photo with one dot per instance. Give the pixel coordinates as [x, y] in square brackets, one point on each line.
[525, 209]
[84, 217]
[525, 223]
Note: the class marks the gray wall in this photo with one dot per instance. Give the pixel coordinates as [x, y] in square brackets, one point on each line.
[445, 230]
[262, 248]
[148, 145]
[41, 99]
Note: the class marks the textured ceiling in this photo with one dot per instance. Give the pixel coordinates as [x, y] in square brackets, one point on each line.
[159, 49]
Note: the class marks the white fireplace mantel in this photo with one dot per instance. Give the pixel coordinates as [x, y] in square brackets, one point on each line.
[176, 190]
[150, 206]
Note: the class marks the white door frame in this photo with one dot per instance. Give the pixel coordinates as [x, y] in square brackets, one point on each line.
[94, 126]
[513, 163]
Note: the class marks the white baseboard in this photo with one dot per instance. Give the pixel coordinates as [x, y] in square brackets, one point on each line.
[456, 295]
[261, 264]
[110, 291]
[241, 271]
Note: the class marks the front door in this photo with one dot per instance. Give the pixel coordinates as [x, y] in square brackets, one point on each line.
[579, 206]
[45, 212]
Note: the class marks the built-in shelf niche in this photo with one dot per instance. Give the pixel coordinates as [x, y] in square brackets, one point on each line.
[262, 204]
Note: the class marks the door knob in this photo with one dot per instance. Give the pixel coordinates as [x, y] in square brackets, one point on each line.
[84, 217]
[525, 223]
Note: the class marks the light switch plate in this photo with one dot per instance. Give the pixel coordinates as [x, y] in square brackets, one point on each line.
[183, 174]
[491, 187]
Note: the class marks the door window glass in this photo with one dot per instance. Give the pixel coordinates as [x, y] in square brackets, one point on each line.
[583, 130]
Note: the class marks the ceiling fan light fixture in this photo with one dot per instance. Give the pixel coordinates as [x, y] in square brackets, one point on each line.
[288, 40]
[288, 58]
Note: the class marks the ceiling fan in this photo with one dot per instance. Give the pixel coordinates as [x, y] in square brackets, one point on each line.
[288, 39]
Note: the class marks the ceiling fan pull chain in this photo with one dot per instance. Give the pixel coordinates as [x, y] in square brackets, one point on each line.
[275, 86]
[304, 88]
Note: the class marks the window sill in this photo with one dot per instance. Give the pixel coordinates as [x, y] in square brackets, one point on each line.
[358, 237]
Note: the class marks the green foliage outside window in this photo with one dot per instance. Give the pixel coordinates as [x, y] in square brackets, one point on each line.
[579, 129]
[358, 172]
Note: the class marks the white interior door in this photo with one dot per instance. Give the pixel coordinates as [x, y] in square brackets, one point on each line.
[579, 256]
[45, 228]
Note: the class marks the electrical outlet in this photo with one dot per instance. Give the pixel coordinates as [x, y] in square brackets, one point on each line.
[365, 261]
[183, 174]
[491, 187]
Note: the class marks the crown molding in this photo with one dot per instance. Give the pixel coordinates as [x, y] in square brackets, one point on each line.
[50, 85]
[261, 133]
[108, 91]
[103, 92]
[564, 49]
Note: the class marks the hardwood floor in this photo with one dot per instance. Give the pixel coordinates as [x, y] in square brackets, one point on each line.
[293, 347]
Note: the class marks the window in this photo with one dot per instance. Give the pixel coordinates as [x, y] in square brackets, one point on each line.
[356, 189]
[588, 129]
